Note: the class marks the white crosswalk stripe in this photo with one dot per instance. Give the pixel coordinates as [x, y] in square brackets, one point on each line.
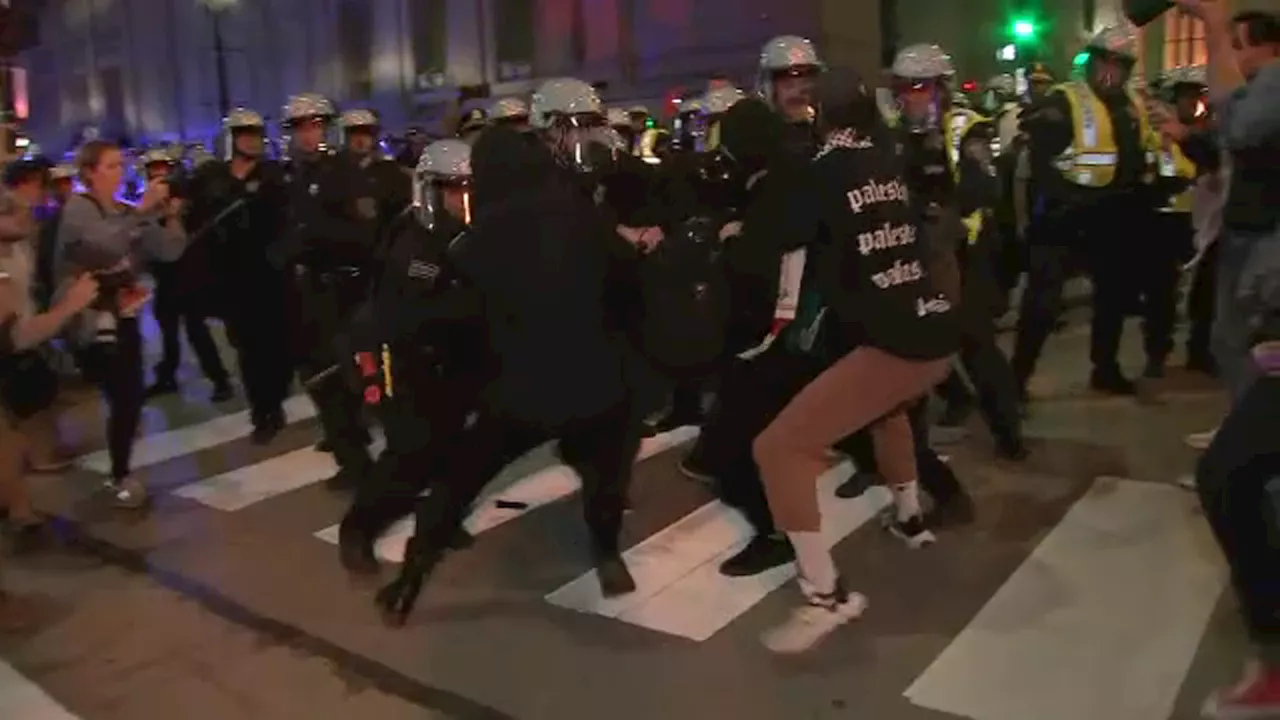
[1078, 605]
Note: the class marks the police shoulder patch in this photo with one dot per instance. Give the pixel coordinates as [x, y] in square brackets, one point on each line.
[422, 270]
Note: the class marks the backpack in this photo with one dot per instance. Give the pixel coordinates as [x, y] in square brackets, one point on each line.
[684, 298]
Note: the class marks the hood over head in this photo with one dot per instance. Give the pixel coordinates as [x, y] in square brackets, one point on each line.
[505, 162]
[753, 134]
[844, 101]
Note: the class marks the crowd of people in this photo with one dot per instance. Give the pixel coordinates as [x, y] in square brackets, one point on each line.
[798, 271]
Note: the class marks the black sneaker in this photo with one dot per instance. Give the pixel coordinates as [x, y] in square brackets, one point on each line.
[355, 551]
[1111, 383]
[764, 552]
[859, 483]
[615, 579]
[266, 429]
[911, 531]
[222, 392]
[162, 387]
[690, 468]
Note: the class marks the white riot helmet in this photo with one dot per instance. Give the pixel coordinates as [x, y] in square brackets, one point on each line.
[509, 110]
[155, 156]
[242, 120]
[1000, 91]
[309, 107]
[921, 77]
[1187, 75]
[570, 115]
[443, 179]
[359, 120]
[1112, 52]
[618, 118]
[782, 57]
[719, 100]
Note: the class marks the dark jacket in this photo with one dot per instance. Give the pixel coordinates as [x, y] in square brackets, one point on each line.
[540, 258]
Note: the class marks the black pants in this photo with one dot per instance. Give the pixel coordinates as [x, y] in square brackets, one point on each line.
[1159, 269]
[600, 449]
[994, 382]
[753, 393]
[116, 368]
[259, 331]
[324, 302]
[424, 423]
[1233, 477]
[171, 316]
[1200, 308]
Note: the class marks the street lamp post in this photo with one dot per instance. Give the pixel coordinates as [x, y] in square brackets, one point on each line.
[217, 8]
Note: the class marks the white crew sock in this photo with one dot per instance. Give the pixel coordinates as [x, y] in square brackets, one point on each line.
[906, 498]
[814, 560]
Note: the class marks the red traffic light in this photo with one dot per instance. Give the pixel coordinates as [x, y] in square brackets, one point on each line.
[969, 86]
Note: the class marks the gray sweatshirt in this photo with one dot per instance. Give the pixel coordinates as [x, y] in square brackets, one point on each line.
[91, 237]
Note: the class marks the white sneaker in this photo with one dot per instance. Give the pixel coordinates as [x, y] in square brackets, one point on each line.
[128, 494]
[1200, 440]
[808, 624]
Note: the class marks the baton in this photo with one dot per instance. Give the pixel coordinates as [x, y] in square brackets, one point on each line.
[212, 223]
[319, 377]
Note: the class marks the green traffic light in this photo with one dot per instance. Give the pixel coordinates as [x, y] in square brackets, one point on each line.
[1024, 29]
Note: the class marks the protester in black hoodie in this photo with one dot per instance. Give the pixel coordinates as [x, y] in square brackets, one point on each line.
[539, 257]
[887, 316]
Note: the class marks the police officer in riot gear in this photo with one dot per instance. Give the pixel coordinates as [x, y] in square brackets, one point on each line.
[788, 66]
[384, 181]
[237, 212]
[424, 377]
[511, 112]
[952, 177]
[1090, 152]
[328, 247]
[183, 298]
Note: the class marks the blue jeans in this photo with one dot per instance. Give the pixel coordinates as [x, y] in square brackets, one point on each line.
[1230, 334]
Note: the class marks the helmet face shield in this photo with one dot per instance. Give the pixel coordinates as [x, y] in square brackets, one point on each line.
[583, 142]
[921, 103]
[436, 197]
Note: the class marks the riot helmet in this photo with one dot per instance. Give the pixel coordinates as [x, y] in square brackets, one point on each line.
[1187, 89]
[921, 82]
[244, 134]
[360, 131]
[1000, 92]
[471, 124]
[308, 123]
[569, 115]
[788, 66]
[156, 164]
[442, 183]
[1110, 57]
[510, 111]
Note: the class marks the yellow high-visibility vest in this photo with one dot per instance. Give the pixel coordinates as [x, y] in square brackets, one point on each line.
[954, 126]
[1091, 159]
[1173, 164]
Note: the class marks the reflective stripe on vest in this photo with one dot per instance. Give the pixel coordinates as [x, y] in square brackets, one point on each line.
[1091, 159]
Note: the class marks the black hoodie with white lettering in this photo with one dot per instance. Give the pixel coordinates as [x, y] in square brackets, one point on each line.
[876, 273]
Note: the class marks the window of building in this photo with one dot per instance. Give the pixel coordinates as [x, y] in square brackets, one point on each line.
[514, 27]
[429, 35]
[1184, 42]
[355, 32]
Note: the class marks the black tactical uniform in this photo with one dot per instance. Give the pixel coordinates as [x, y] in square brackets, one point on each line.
[1071, 224]
[240, 218]
[329, 248]
[431, 374]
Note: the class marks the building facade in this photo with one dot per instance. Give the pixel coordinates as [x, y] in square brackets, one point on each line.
[146, 69]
